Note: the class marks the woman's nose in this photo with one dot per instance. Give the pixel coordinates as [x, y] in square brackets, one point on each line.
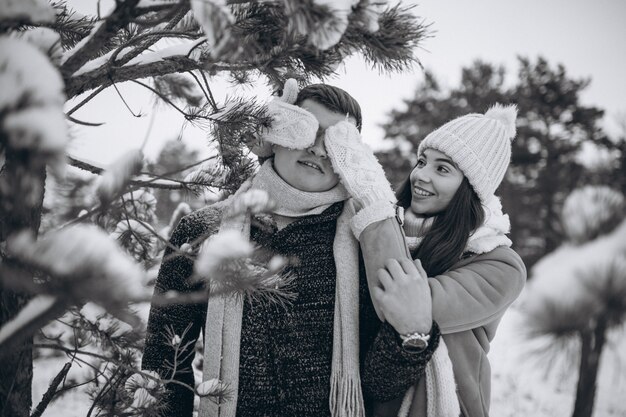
[421, 175]
[318, 149]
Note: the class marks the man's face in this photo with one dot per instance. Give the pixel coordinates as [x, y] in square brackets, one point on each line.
[310, 169]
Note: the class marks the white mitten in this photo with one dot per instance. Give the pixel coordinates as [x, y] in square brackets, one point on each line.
[361, 174]
[292, 127]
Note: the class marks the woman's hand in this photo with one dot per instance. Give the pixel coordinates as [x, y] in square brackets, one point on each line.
[404, 296]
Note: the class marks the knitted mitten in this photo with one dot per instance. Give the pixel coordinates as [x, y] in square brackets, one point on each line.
[292, 127]
[361, 174]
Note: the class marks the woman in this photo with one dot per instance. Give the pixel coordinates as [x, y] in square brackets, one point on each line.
[455, 226]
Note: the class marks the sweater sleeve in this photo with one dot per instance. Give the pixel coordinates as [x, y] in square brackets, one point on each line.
[478, 290]
[189, 319]
[387, 370]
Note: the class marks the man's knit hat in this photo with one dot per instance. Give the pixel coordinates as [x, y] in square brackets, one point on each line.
[479, 144]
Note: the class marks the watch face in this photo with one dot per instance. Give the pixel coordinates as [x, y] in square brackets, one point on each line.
[415, 345]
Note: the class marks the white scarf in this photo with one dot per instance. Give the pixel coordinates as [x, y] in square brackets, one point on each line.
[224, 314]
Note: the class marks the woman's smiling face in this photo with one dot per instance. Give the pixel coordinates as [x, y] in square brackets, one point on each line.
[310, 169]
[434, 181]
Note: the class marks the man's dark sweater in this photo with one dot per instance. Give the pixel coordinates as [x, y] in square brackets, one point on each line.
[286, 351]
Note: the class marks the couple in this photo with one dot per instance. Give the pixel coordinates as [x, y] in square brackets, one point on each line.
[370, 332]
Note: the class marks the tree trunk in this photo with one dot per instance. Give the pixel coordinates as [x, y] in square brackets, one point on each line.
[592, 345]
[25, 185]
[16, 367]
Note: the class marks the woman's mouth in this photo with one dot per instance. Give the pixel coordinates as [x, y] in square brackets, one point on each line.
[417, 191]
[311, 165]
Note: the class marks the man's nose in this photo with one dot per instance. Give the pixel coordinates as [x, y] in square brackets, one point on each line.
[318, 149]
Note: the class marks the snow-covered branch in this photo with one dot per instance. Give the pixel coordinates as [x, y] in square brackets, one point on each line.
[143, 180]
[91, 45]
[104, 76]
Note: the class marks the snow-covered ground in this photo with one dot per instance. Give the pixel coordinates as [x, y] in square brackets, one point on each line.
[525, 385]
[520, 386]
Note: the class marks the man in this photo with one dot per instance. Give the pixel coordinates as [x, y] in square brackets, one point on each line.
[301, 359]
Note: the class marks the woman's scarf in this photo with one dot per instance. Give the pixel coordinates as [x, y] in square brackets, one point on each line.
[224, 314]
[441, 398]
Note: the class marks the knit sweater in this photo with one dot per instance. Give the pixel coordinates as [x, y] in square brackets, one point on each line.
[286, 351]
[285, 358]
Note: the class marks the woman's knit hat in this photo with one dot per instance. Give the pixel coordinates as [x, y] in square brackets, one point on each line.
[479, 144]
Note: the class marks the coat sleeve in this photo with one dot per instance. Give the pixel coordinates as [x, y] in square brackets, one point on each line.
[478, 290]
[387, 370]
[187, 319]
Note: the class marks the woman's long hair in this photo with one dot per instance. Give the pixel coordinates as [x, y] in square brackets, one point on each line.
[445, 242]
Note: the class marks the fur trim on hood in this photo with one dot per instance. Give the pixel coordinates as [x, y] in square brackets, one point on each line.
[493, 231]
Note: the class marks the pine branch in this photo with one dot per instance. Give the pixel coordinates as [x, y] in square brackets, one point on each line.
[83, 123]
[144, 180]
[391, 48]
[173, 17]
[85, 101]
[100, 34]
[104, 76]
[144, 40]
[52, 390]
[70, 25]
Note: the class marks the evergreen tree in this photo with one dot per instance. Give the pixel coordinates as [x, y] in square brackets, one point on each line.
[49, 54]
[591, 268]
[552, 127]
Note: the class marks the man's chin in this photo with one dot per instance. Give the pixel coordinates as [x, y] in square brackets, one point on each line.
[315, 188]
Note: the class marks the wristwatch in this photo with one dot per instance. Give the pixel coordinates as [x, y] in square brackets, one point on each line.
[415, 342]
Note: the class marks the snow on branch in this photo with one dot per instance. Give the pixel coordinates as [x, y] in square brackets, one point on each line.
[31, 112]
[25, 12]
[144, 66]
[100, 34]
[86, 265]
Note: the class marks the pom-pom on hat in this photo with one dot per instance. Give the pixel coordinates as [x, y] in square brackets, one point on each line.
[479, 144]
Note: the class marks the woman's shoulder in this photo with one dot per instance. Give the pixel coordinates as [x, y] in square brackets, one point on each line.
[502, 251]
[503, 255]
[501, 267]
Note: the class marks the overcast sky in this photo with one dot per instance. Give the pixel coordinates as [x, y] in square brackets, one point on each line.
[587, 37]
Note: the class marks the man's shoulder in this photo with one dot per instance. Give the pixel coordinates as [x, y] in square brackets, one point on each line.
[204, 221]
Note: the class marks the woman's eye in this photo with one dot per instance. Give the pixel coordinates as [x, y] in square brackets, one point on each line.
[443, 169]
[421, 162]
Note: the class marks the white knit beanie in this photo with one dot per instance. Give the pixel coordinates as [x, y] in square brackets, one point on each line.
[479, 144]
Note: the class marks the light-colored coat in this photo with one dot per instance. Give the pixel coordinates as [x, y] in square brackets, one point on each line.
[468, 302]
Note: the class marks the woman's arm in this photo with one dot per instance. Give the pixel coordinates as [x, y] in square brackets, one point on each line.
[388, 369]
